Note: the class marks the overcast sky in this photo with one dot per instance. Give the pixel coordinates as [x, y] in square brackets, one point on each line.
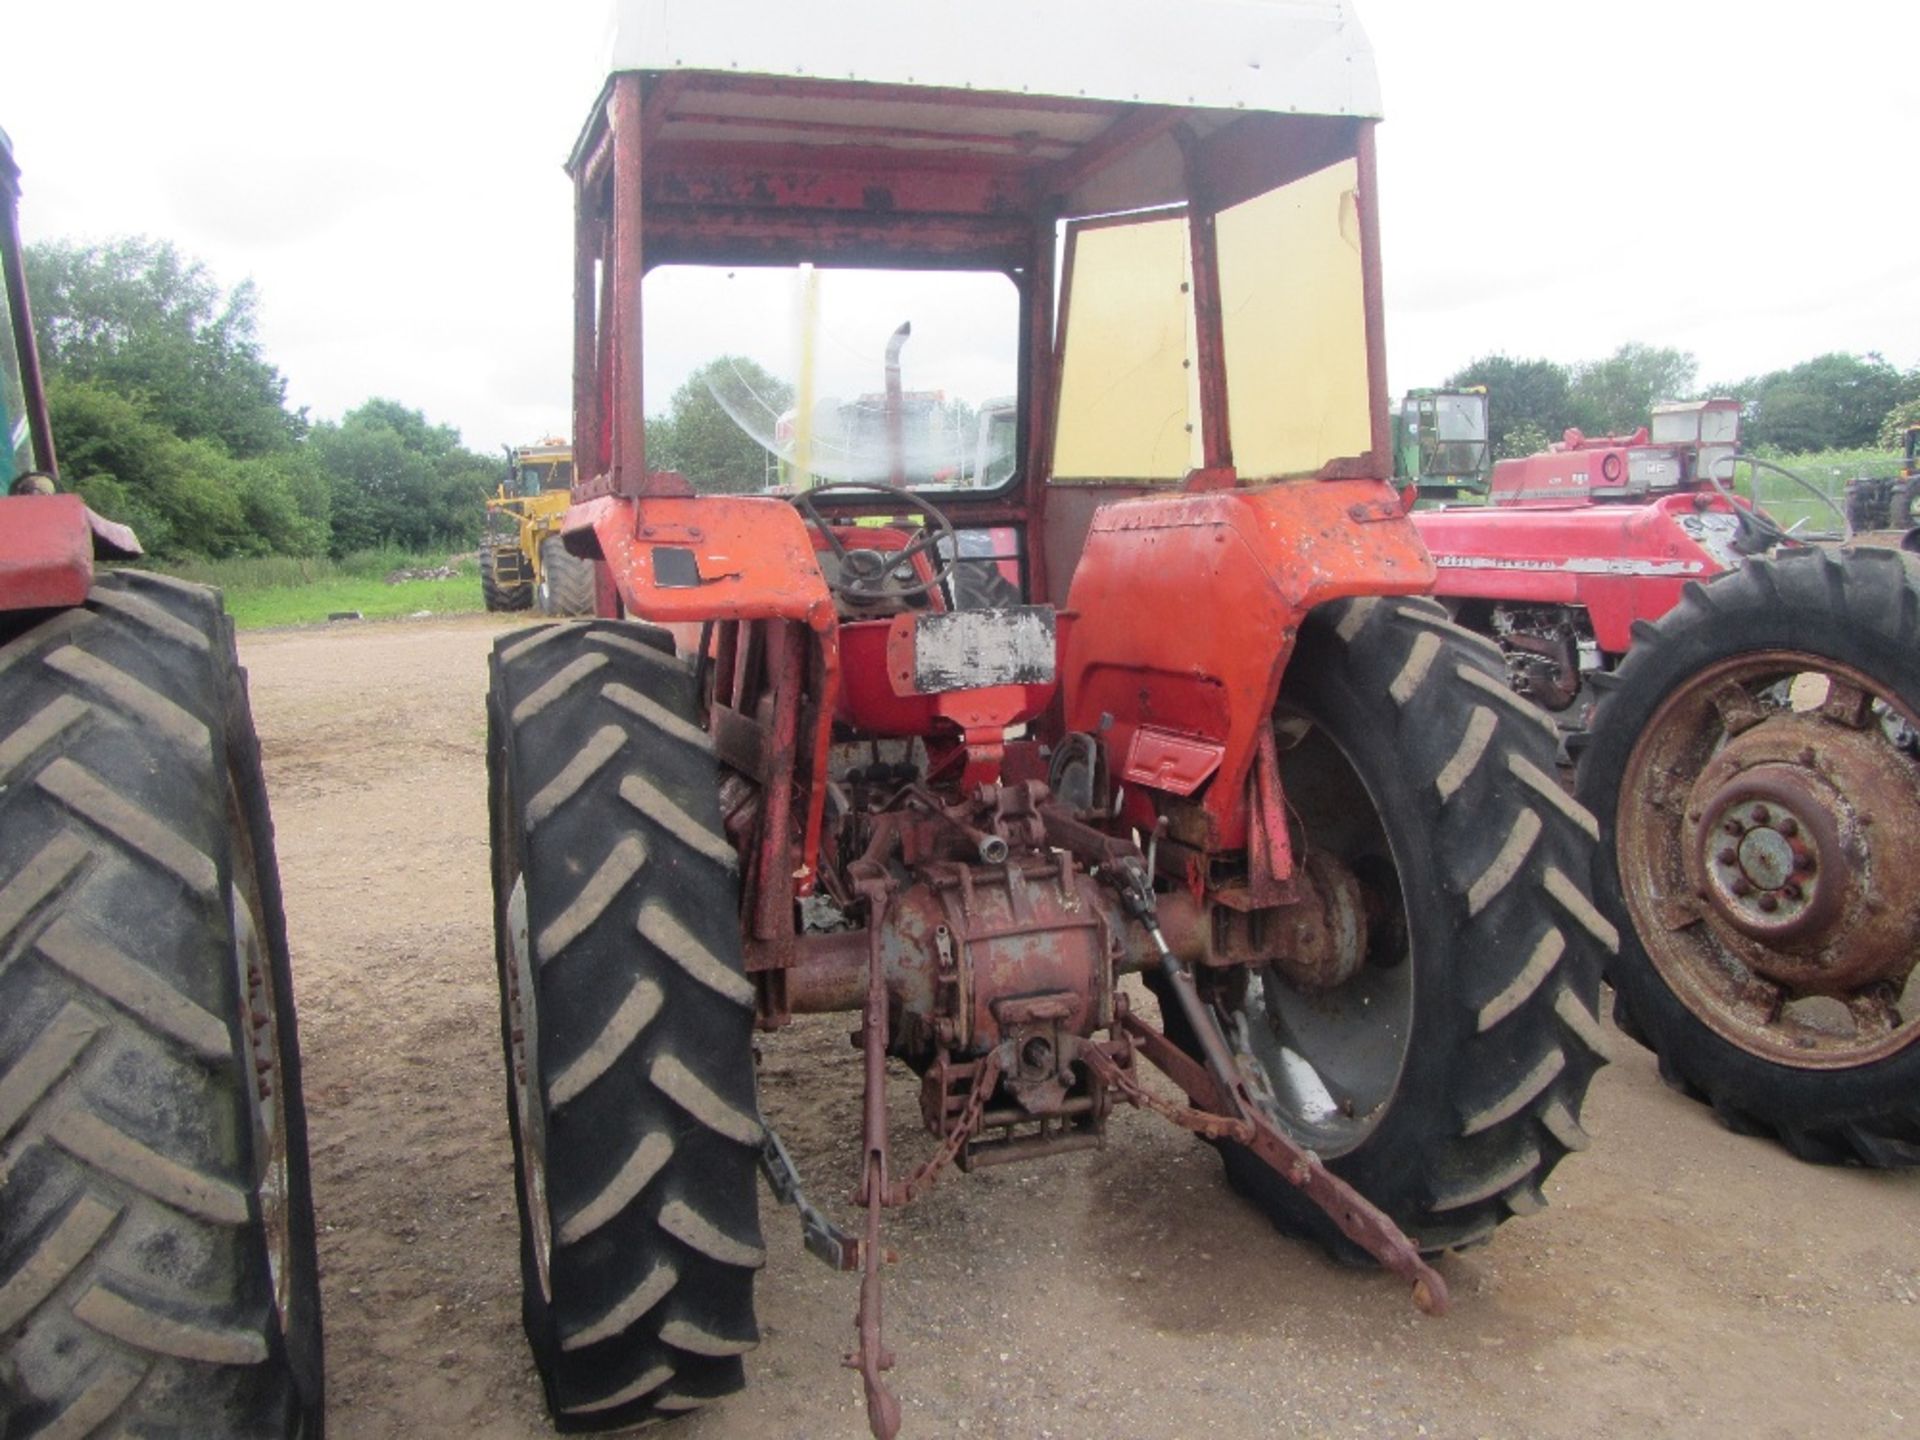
[1731, 178]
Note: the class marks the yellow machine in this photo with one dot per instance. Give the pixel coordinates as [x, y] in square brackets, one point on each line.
[522, 562]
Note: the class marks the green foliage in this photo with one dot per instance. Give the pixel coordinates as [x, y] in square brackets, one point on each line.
[1831, 402]
[136, 316]
[182, 495]
[1520, 393]
[1900, 419]
[1521, 439]
[395, 479]
[1616, 396]
[167, 417]
[698, 437]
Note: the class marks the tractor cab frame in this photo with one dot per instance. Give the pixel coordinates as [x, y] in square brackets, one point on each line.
[750, 162]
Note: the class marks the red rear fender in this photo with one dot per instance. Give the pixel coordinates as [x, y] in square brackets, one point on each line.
[1186, 608]
[47, 548]
[709, 557]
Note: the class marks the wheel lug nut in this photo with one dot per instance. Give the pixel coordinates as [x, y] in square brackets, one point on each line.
[1804, 861]
[1769, 902]
[1792, 890]
[1727, 856]
[1742, 886]
[1733, 827]
[1788, 826]
[1761, 814]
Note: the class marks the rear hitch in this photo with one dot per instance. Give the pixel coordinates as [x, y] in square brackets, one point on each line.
[1221, 1106]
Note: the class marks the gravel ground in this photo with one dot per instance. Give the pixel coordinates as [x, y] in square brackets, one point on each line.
[1684, 1281]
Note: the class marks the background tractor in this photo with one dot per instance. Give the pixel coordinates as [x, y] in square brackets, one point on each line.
[522, 562]
[1440, 442]
[1746, 713]
[157, 1271]
[1888, 502]
[1224, 741]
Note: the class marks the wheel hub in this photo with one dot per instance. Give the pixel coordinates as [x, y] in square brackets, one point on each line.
[1769, 845]
[1792, 852]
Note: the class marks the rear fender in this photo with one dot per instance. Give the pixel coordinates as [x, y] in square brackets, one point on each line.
[48, 544]
[1186, 608]
[690, 559]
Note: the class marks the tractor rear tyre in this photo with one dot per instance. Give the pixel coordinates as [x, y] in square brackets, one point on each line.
[627, 1026]
[566, 581]
[1907, 505]
[157, 1267]
[503, 581]
[1444, 1079]
[1756, 774]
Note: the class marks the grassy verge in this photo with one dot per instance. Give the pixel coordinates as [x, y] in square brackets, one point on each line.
[287, 590]
[1827, 471]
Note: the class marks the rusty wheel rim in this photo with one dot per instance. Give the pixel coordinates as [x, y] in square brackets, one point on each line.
[260, 1032]
[265, 1073]
[523, 1063]
[1766, 845]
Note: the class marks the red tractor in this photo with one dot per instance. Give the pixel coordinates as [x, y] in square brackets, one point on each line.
[1225, 742]
[157, 1271]
[1746, 713]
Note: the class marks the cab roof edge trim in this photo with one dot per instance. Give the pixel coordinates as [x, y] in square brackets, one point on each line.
[1280, 56]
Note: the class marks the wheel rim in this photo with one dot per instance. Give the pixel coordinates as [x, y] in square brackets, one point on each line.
[1328, 1063]
[1766, 845]
[523, 1060]
[265, 1067]
[260, 1035]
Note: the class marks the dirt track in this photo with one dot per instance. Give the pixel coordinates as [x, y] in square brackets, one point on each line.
[1683, 1282]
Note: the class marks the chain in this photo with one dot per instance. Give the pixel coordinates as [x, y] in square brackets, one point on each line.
[903, 1191]
[1187, 1117]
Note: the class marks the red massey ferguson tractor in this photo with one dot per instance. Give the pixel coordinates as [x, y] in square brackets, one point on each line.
[1225, 743]
[157, 1270]
[1750, 709]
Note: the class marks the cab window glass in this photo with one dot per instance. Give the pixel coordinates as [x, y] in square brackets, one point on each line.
[781, 378]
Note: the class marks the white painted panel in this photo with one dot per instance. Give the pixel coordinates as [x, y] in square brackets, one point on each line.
[1309, 56]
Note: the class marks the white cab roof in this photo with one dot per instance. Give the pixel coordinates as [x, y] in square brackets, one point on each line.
[1305, 56]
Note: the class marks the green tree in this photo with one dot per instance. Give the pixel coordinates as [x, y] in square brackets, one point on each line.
[396, 479]
[700, 436]
[1831, 402]
[1529, 395]
[1525, 438]
[135, 315]
[1900, 419]
[182, 497]
[1616, 396]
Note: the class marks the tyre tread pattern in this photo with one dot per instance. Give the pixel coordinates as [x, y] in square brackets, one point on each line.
[643, 1020]
[1474, 754]
[134, 1290]
[569, 588]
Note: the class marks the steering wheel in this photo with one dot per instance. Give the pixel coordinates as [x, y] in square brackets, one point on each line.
[869, 575]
